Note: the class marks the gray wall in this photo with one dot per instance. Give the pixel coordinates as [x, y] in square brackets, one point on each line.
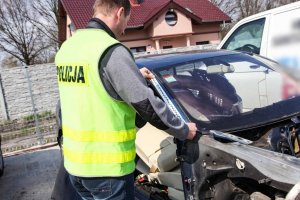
[15, 101]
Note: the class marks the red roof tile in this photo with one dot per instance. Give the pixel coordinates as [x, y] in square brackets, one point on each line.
[204, 9]
[81, 11]
[146, 10]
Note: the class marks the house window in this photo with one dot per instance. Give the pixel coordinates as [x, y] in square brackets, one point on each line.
[171, 18]
[168, 47]
[202, 42]
[138, 49]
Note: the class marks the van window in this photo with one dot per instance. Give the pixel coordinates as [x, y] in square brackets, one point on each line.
[248, 37]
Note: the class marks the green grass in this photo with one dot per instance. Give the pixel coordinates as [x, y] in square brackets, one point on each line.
[39, 116]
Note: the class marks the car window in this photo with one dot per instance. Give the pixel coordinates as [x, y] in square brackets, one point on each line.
[248, 37]
[224, 86]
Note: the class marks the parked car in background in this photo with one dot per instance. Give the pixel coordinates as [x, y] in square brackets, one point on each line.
[274, 34]
[1, 160]
[235, 154]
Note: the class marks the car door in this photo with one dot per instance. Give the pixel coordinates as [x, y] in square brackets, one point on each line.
[284, 42]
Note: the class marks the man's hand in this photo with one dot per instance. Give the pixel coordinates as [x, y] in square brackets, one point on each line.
[147, 74]
[192, 131]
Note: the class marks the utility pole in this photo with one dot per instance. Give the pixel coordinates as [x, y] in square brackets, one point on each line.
[37, 128]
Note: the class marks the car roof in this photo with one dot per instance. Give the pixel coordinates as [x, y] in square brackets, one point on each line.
[159, 61]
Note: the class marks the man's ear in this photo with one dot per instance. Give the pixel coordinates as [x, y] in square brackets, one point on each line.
[120, 13]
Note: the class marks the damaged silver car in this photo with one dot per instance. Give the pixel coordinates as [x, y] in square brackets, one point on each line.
[247, 111]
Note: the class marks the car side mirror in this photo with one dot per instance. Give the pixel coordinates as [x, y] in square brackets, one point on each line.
[220, 69]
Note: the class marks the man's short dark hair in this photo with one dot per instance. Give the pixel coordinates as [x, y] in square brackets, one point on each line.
[107, 5]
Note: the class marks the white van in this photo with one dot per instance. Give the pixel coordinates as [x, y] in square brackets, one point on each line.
[274, 34]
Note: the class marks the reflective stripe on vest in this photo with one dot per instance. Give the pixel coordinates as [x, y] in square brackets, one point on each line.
[99, 132]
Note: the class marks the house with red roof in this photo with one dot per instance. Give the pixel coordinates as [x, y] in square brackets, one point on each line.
[154, 24]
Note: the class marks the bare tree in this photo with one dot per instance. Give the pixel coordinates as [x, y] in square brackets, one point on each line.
[284, 2]
[271, 4]
[47, 19]
[9, 61]
[239, 9]
[250, 7]
[276, 3]
[229, 7]
[18, 36]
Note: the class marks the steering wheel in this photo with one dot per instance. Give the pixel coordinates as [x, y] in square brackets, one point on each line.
[250, 48]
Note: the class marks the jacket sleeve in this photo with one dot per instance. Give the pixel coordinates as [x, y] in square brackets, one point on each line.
[124, 77]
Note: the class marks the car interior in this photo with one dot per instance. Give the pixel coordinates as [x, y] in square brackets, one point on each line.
[210, 94]
[160, 157]
[205, 96]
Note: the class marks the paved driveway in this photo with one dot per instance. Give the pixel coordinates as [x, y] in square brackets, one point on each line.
[30, 176]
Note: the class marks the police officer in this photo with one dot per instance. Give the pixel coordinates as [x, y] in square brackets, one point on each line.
[101, 92]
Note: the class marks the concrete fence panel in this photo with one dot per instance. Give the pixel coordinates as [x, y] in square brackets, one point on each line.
[15, 99]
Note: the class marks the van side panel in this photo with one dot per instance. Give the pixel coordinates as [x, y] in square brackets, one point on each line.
[284, 44]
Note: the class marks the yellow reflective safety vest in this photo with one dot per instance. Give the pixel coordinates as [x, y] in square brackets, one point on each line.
[99, 132]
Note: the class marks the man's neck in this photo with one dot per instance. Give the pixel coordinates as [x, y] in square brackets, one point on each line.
[100, 24]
